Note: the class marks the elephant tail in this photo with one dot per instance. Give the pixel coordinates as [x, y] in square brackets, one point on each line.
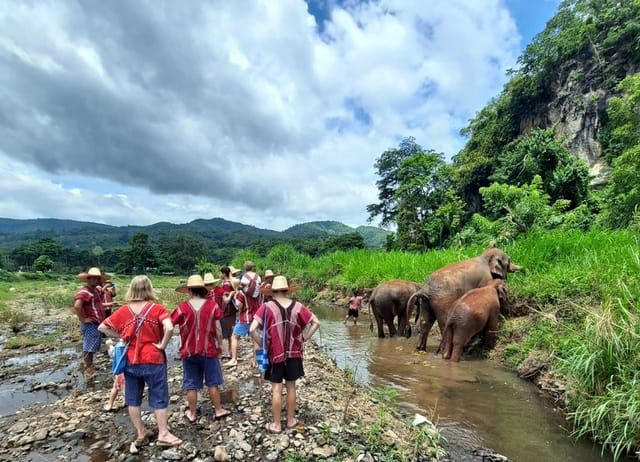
[409, 308]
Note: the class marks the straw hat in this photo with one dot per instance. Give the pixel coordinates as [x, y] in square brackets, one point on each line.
[194, 282]
[235, 282]
[268, 274]
[84, 277]
[233, 270]
[279, 284]
[209, 279]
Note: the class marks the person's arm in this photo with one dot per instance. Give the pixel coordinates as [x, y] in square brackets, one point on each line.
[77, 306]
[219, 333]
[168, 332]
[313, 327]
[108, 331]
[253, 331]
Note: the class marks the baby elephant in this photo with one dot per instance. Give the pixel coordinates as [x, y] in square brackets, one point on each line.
[475, 312]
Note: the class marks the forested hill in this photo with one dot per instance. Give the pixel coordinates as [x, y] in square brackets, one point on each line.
[81, 234]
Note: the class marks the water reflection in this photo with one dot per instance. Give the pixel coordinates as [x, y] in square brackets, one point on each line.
[478, 402]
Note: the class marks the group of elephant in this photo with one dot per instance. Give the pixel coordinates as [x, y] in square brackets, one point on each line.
[465, 298]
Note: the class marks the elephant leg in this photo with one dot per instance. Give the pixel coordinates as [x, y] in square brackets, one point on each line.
[456, 351]
[425, 327]
[391, 325]
[490, 333]
[380, 326]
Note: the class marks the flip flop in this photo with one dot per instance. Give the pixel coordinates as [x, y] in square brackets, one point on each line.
[295, 424]
[222, 416]
[169, 444]
[269, 427]
[186, 417]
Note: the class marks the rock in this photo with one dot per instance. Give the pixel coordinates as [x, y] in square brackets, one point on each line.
[19, 427]
[171, 454]
[220, 454]
[325, 451]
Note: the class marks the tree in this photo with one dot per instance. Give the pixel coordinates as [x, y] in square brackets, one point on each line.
[140, 254]
[182, 252]
[387, 167]
[346, 241]
[97, 251]
[43, 263]
[540, 154]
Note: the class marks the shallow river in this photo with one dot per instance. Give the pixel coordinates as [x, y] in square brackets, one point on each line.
[477, 402]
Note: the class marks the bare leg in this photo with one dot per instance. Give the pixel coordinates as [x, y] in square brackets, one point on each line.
[291, 402]
[89, 368]
[192, 399]
[234, 352]
[135, 415]
[113, 394]
[214, 396]
[276, 405]
[163, 429]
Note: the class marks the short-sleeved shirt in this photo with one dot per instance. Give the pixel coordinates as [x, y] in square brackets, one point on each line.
[284, 329]
[249, 307]
[141, 349]
[355, 303]
[91, 303]
[197, 328]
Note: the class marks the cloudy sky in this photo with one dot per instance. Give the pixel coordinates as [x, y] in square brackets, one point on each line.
[268, 113]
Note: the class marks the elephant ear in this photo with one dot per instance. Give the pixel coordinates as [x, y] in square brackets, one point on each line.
[503, 295]
[498, 267]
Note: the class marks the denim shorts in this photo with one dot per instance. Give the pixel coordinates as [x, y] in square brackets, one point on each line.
[91, 337]
[241, 329]
[154, 375]
[195, 367]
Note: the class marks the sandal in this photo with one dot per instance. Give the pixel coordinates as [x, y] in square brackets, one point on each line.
[296, 423]
[188, 419]
[270, 427]
[222, 416]
[169, 444]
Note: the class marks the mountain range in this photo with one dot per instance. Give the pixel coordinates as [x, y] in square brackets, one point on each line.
[82, 234]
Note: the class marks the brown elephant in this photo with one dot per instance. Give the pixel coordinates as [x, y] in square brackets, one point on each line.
[447, 284]
[388, 301]
[475, 312]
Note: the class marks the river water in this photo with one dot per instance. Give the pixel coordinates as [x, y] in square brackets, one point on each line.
[476, 402]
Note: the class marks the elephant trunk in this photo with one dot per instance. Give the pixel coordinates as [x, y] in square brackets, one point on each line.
[513, 267]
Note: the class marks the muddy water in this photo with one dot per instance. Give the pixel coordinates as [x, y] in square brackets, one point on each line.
[478, 402]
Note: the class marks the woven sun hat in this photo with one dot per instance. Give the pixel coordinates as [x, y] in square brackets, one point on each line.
[93, 272]
[280, 284]
[268, 274]
[209, 279]
[233, 270]
[235, 282]
[194, 282]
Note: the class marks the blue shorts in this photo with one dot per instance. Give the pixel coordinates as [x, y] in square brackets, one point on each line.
[241, 329]
[195, 367]
[154, 375]
[91, 337]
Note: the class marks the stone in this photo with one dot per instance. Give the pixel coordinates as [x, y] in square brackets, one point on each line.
[220, 454]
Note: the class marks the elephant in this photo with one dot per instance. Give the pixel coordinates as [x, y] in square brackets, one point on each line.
[444, 286]
[475, 312]
[388, 301]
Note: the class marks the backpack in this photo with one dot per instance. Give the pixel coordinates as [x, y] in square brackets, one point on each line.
[252, 288]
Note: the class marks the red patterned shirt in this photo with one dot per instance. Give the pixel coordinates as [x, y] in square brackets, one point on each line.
[249, 307]
[197, 328]
[284, 329]
[91, 303]
[141, 349]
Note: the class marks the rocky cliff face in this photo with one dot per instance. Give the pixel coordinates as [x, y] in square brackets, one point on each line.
[578, 109]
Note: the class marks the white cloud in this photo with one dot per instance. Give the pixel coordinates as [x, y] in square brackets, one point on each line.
[139, 112]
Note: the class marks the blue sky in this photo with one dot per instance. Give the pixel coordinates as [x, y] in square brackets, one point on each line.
[265, 113]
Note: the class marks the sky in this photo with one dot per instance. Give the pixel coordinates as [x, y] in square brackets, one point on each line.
[267, 113]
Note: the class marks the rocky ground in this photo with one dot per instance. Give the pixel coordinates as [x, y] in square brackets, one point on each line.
[341, 422]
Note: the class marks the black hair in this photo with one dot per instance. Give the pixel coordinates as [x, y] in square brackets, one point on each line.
[199, 291]
[225, 270]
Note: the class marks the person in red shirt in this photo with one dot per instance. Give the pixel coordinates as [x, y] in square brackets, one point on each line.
[286, 320]
[247, 300]
[200, 339]
[90, 311]
[146, 359]
[265, 287]
[108, 294]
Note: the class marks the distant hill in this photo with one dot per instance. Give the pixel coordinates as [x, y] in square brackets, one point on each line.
[80, 234]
